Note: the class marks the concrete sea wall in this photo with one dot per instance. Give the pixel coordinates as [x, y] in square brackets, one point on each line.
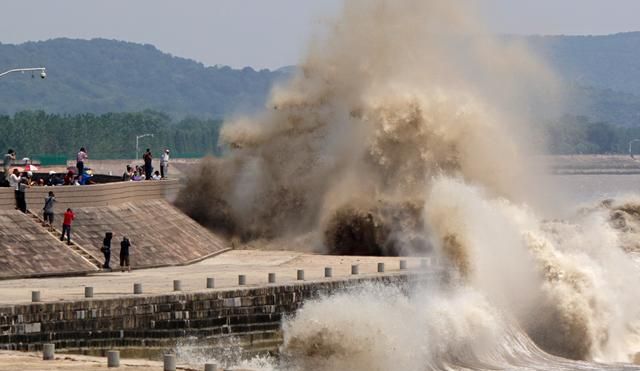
[94, 195]
[141, 325]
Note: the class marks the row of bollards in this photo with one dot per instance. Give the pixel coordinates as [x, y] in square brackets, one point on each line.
[242, 279]
[113, 359]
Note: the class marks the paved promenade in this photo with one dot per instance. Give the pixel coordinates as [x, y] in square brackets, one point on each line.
[224, 268]
[19, 361]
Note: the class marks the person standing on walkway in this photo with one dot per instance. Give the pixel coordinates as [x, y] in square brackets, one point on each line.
[164, 164]
[66, 225]
[80, 159]
[22, 194]
[14, 182]
[124, 254]
[49, 202]
[106, 249]
[9, 157]
[148, 167]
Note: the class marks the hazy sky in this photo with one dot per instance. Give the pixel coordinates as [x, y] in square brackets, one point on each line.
[270, 33]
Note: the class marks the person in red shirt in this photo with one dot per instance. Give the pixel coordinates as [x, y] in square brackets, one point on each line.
[66, 225]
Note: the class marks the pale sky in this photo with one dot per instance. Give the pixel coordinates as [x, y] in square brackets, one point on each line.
[271, 33]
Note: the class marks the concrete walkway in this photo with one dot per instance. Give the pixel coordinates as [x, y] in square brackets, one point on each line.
[18, 361]
[224, 268]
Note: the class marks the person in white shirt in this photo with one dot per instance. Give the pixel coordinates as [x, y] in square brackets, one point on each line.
[156, 176]
[164, 163]
[81, 157]
[14, 182]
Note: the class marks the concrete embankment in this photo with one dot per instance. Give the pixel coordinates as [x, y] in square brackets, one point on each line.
[146, 325]
[160, 234]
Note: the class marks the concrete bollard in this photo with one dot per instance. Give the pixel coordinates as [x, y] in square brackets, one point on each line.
[113, 358]
[328, 272]
[211, 283]
[300, 275]
[210, 367]
[137, 288]
[35, 296]
[48, 351]
[169, 362]
[272, 278]
[242, 279]
[380, 267]
[177, 285]
[88, 292]
[355, 269]
[403, 264]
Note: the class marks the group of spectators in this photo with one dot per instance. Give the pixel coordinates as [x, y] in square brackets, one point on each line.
[81, 175]
[146, 171]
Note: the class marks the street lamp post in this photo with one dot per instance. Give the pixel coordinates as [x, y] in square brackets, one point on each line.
[630, 145]
[43, 72]
[138, 138]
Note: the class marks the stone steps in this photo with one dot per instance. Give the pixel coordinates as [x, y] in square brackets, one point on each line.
[76, 248]
[29, 250]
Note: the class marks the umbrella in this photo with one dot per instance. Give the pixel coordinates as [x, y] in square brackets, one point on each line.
[30, 167]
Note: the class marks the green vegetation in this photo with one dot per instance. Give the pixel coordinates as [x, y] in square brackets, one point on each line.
[54, 137]
[600, 73]
[37, 134]
[580, 135]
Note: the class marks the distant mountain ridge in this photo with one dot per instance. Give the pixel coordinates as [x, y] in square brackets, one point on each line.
[99, 75]
[604, 62]
[102, 75]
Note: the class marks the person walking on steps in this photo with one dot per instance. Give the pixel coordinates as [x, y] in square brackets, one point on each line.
[124, 254]
[106, 249]
[66, 225]
[47, 210]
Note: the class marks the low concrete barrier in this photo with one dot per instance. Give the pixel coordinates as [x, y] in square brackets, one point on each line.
[154, 323]
[94, 195]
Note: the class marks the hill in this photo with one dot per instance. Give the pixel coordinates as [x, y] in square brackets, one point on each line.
[602, 74]
[603, 62]
[100, 76]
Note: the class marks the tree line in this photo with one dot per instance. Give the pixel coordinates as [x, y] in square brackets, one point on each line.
[106, 136]
[37, 134]
[582, 135]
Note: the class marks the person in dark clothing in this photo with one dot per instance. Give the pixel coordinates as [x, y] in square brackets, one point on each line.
[124, 254]
[106, 249]
[22, 194]
[148, 168]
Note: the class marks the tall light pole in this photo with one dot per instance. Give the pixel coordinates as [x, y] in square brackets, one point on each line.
[43, 73]
[137, 138]
[630, 147]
